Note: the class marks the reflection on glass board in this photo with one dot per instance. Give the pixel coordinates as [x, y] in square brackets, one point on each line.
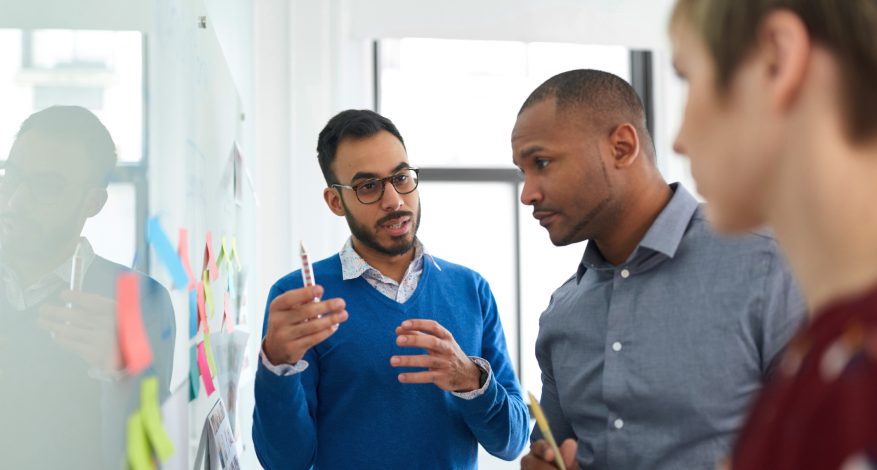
[80, 334]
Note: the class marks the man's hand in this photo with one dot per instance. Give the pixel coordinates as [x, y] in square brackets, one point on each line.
[448, 367]
[296, 323]
[541, 456]
[87, 328]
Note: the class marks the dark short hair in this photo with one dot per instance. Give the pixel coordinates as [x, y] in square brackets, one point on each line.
[729, 28]
[79, 125]
[605, 99]
[349, 124]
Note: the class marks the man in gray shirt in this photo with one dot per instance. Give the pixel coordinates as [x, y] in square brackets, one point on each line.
[653, 350]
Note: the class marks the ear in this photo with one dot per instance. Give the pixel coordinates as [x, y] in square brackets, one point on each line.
[625, 147]
[94, 201]
[786, 46]
[333, 200]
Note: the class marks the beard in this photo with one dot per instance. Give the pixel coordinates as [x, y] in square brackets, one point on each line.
[368, 236]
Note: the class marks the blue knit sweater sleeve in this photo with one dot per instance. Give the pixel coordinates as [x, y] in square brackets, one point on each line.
[498, 418]
[284, 432]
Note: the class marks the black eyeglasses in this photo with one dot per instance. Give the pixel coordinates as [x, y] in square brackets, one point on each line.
[371, 190]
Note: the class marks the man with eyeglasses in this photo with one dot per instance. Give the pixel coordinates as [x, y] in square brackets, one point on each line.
[65, 393]
[418, 374]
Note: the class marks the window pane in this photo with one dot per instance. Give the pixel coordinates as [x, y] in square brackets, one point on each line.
[472, 224]
[98, 70]
[456, 101]
[112, 231]
[544, 267]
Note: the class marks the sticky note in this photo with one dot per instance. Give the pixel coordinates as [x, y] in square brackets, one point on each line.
[138, 454]
[226, 314]
[204, 368]
[210, 259]
[208, 295]
[151, 416]
[231, 288]
[194, 384]
[166, 253]
[202, 313]
[207, 349]
[183, 252]
[133, 342]
[224, 253]
[193, 313]
[234, 253]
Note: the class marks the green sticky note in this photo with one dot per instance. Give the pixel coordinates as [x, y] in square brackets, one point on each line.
[208, 294]
[194, 382]
[209, 351]
[138, 445]
[151, 416]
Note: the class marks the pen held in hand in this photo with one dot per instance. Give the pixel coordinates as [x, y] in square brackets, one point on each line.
[307, 273]
[546, 430]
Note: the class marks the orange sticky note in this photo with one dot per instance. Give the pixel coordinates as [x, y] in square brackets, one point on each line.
[205, 370]
[210, 259]
[202, 312]
[183, 251]
[132, 335]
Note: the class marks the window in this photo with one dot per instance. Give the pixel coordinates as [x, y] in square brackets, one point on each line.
[101, 71]
[455, 103]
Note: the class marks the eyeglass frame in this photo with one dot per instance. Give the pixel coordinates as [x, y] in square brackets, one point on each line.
[383, 181]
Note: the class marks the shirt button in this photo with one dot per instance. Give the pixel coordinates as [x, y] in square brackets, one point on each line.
[616, 346]
[618, 423]
[625, 273]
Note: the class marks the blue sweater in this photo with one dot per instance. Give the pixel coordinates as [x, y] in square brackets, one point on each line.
[348, 410]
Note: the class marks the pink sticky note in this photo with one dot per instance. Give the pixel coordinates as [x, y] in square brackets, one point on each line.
[226, 313]
[183, 251]
[210, 259]
[205, 370]
[202, 311]
[132, 335]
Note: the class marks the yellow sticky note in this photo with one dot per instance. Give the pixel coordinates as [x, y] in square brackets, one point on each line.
[546, 430]
[151, 416]
[209, 351]
[138, 445]
[208, 294]
[234, 253]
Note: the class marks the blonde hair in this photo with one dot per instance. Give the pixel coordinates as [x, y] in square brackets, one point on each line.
[729, 29]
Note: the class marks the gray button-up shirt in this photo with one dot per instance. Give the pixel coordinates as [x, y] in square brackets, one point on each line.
[653, 364]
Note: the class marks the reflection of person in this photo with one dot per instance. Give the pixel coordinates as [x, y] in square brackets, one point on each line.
[419, 374]
[652, 351]
[63, 384]
[781, 129]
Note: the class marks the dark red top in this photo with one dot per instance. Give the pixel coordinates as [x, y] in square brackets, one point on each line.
[819, 410]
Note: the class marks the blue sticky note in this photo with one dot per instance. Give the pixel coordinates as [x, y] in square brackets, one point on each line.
[193, 313]
[166, 252]
[194, 376]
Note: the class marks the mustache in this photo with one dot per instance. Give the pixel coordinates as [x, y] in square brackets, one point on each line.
[394, 215]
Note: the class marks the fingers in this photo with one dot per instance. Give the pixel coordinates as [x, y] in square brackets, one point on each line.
[424, 361]
[568, 451]
[309, 328]
[542, 450]
[428, 342]
[426, 377]
[295, 297]
[537, 459]
[427, 326]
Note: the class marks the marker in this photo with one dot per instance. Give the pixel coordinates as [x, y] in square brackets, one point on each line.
[307, 274]
[76, 265]
[546, 431]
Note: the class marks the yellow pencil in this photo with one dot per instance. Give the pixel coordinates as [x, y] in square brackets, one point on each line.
[546, 431]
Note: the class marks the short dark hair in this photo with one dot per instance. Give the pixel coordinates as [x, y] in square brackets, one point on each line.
[349, 124]
[606, 99]
[82, 126]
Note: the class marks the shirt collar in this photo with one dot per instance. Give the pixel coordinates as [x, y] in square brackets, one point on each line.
[354, 266]
[664, 236]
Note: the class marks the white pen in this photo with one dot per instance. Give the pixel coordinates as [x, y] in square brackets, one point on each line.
[307, 274]
[76, 265]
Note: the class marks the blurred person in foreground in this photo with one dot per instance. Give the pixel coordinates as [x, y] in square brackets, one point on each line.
[781, 129]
